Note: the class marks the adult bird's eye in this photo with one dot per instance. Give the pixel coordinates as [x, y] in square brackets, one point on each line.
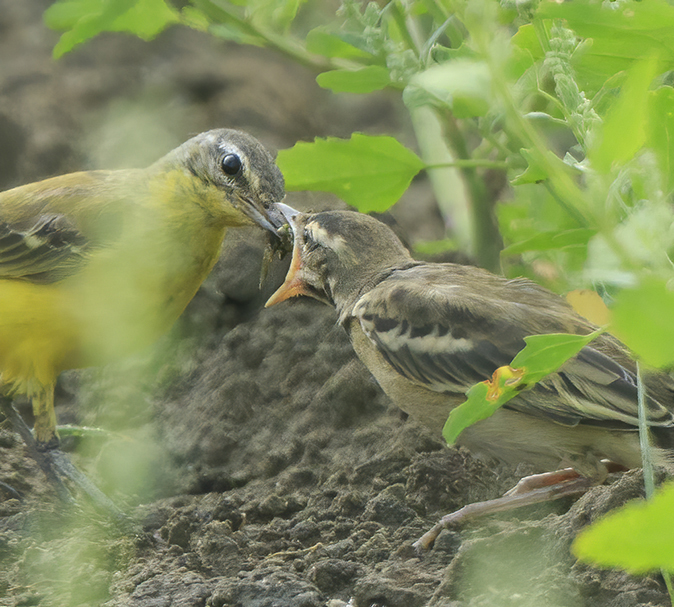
[231, 164]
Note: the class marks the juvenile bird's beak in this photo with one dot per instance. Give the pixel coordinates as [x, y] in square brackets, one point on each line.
[284, 214]
[281, 214]
[293, 285]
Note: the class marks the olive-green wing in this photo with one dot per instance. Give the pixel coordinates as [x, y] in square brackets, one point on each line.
[47, 251]
[49, 229]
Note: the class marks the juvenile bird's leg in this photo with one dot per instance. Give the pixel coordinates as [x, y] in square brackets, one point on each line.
[540, 481]
[65, 468]
[543, 488]
[570, 486]
[533, 489]
[11, 491]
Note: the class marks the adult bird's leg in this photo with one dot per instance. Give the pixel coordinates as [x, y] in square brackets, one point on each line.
[45, 418]
[39, 455]
[55, 464]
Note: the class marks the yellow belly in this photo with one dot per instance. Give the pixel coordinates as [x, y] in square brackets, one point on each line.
[36, 333]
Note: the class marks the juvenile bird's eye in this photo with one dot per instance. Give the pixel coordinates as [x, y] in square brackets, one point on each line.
[309, 243]
[231, 164]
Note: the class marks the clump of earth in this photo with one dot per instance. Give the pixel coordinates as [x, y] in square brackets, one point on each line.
[257, 460]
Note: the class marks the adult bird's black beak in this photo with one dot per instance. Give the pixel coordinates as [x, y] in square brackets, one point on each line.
[262, 218]
[281, 214]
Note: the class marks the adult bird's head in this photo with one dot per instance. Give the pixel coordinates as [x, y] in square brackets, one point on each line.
[336, 254]
[233, 175]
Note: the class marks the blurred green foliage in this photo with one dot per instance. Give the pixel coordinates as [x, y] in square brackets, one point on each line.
[638, 537]
[572, 102]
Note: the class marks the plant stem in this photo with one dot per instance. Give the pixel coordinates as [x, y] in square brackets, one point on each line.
[450, 191]
[220, 12]
[397, 12]
[485, 233]
[471, 163]
[646, 454]
[647, 462]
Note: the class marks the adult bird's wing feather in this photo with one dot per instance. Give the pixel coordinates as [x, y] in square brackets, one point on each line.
[48, 251]
[444, 330]
[51, 237]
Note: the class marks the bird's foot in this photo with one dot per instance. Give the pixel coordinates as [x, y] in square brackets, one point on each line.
[66, 470]
[530, 490]
[539, 481]
[57, 466]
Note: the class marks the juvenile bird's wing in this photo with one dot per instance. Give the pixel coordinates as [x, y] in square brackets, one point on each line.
[48, 229]
[446, 327]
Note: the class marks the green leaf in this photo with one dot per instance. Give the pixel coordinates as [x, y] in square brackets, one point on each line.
[276, 15]
[368, 172]
[463, 85]
[554, 239]
[643, 320]
[543, 354]
[639, 537]
[363, 80]
[661, 132]
[64, 14]
[478, 406]
[624, 130]
[323, 43]
[84, 19]
[196, 19]
[620, 34]
[284, 13]
[526, 50]
[526, 40]
[146, 19]
[442, 54]
[538, 166]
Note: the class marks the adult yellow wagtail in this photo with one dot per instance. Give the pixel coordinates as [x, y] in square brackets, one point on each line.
[96, 265]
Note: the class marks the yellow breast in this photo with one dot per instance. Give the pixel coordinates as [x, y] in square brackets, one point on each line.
[122, 300]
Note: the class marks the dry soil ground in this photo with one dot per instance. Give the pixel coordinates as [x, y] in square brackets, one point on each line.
[260, 464]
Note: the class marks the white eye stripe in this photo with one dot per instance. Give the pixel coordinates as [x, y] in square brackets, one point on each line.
[329, 241]
[228, 147]
[252, 177]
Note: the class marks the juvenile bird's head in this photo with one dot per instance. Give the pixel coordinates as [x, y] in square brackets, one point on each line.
[336, 254]
[231, 176]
